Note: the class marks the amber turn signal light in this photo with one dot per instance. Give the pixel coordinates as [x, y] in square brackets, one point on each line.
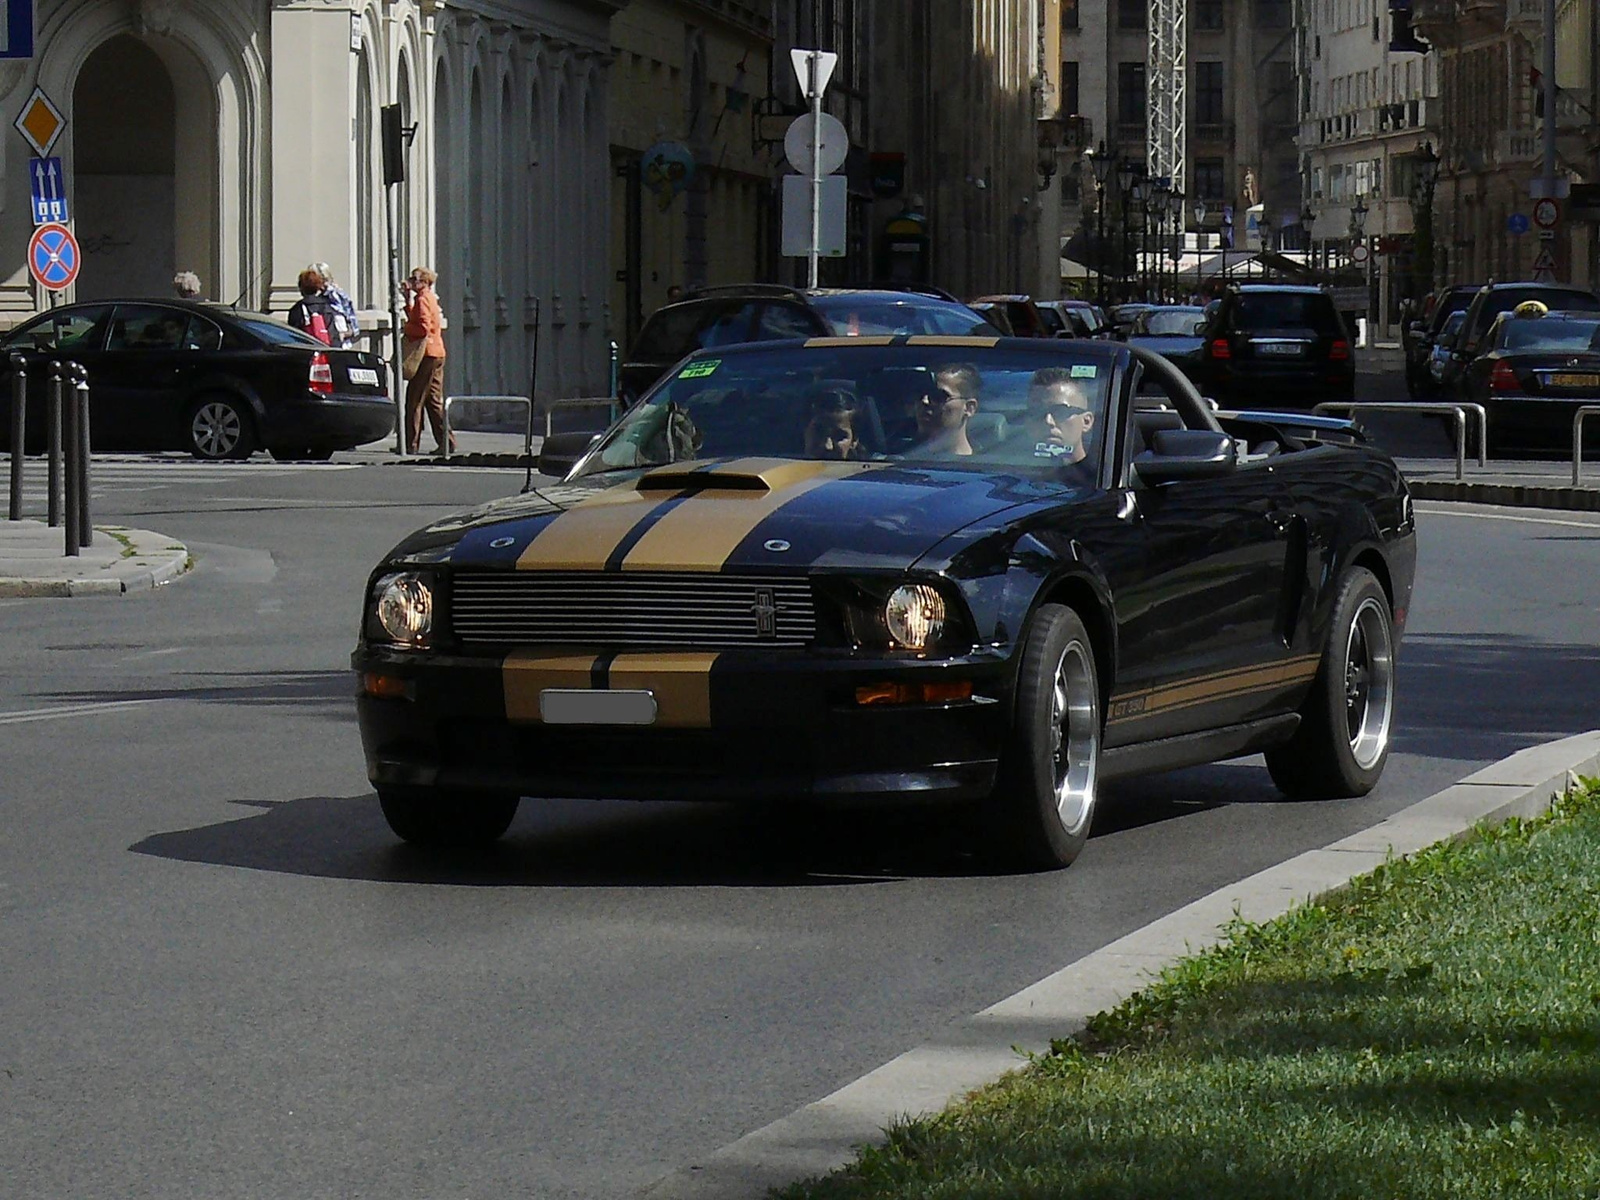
[913, 693]
[385, 687]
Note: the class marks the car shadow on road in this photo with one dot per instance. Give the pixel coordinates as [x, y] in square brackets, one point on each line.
[333, 690]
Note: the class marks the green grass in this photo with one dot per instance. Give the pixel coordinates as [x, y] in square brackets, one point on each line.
[1432, 1031]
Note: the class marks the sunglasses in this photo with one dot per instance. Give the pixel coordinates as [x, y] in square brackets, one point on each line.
[939, 396]
[1058, 412]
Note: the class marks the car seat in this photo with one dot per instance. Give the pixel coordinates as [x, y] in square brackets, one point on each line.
[986, 431]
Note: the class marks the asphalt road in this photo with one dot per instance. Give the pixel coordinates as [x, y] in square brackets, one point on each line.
[220, 976]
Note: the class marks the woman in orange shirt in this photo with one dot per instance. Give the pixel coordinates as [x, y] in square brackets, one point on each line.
[426, 387]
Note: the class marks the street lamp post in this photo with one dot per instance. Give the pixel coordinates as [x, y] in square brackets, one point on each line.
[1125, 188]
[1175, 206]
[1158, 210]
[1100, 161]
[1422, 207]
[1308, 219]
[1200, 233]
[1358, 222]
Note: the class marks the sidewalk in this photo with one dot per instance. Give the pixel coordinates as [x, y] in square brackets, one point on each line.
[33, 561]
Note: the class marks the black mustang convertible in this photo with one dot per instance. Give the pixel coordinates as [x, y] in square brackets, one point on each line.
[987, 570]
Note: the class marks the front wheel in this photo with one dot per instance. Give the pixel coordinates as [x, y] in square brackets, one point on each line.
[1342, 743]
[1049, 780]
[437, 819]
[220, 427]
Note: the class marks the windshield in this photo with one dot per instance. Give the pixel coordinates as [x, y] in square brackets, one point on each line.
[279, 335]
[1286, 310]
[952, 406]
[1576, 336]
[856, 316]
[1170, 322]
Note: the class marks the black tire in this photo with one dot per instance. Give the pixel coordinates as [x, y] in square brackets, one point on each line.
[437, 819]
[219, 427]
[1049, 773]
[1342, 744]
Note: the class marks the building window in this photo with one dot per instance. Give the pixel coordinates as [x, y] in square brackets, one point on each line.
[1208, 176]
[1272, 14]
[1208, 15]
[1130, 14]
[1069, 88]
[1208, 93]
[1130, 93]
[1069, 14]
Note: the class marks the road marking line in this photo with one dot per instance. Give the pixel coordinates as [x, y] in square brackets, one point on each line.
[1479, 515]
[62, 712]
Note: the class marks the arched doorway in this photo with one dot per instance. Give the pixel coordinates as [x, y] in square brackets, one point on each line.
[145, 174]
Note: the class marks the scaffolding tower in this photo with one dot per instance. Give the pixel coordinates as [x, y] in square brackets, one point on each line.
[1167, 92]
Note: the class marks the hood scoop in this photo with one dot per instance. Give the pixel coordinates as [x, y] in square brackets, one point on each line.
[742, 474]
[694, 481]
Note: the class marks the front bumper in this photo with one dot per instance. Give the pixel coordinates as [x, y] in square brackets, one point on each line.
[777, 727]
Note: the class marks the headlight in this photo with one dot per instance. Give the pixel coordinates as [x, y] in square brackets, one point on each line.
[915, 615]
[402, 610]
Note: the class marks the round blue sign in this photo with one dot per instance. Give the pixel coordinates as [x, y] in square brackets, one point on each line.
[53, 256]
[1517, 223]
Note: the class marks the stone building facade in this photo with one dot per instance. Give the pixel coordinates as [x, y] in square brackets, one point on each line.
[238, 139]
[1491, 134]
[1240, 112]
[1367, 115]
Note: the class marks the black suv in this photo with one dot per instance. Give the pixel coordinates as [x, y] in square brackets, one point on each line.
[1494, 299]
[721, 316]
[1280, 345]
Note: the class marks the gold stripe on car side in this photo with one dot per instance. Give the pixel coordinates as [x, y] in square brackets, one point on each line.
[583, 537]
[704, 530]
[526, 673]
[1223, 685]
[928, 339]
[681, 683]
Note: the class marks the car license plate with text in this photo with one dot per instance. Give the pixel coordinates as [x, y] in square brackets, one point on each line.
[1568, 380]
[1285, 349]
[364, 375]
[580, 706]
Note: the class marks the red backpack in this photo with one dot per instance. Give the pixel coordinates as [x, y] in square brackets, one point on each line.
[318, 328]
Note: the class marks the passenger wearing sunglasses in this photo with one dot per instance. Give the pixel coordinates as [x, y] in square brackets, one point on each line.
[1059, 416]
[943, 411]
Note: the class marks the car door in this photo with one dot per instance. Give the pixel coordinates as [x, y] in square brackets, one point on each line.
[1202, 625]
[144, 375]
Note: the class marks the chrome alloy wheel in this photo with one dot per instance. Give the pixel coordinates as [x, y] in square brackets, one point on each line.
[1369, 682]
[1075, 738]
[216, 429]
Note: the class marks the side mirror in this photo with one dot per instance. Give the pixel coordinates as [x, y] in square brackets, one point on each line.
[561, 452]
[1178, 454]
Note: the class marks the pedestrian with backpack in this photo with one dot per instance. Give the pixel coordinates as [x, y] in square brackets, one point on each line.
[348, 327]
[312, 313]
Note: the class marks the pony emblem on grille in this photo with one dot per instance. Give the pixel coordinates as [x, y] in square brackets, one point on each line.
[766, 611]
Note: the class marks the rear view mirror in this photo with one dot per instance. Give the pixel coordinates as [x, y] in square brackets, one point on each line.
[1177, 454]
[561, 452]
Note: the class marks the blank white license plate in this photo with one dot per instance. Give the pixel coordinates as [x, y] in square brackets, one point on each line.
[579, 706]
[364, 375]
[1286, 349]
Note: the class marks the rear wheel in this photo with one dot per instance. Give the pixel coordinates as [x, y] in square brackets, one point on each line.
[220, 427]
[436, 818]
[1343, 741]
[1049, 780]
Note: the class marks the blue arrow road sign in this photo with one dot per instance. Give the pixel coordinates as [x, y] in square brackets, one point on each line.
[16, 28]
[49, 186]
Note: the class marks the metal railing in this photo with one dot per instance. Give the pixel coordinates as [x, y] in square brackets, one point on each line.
[1588, 410]
[1458, 411]
[527, 434]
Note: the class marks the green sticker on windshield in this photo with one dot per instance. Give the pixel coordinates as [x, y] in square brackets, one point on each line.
[1084, 370]
[699, 370]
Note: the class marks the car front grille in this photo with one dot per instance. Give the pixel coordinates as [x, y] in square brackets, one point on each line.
[630, 608]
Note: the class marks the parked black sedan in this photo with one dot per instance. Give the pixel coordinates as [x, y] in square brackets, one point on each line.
[206, 378]
[752, 589]
[1533, 376]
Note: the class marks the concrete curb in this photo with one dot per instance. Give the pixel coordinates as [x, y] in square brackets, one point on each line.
[1511, 495]
[474, 459]
[139, 571]
[977, 1050]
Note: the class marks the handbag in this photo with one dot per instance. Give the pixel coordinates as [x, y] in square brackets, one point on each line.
[411, 353]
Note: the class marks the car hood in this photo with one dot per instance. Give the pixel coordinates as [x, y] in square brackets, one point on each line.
[728, 514]
[1170, 345]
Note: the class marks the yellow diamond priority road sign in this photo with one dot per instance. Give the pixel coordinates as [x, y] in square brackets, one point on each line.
[40, 122]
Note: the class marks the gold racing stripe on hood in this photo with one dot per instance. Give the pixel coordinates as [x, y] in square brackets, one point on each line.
[680, 682]
[700, 533]
[526, 673]
[584, 537]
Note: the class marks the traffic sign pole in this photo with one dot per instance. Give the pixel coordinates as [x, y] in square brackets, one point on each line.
[816, 175]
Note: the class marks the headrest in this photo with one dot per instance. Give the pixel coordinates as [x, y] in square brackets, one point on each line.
[986, 430]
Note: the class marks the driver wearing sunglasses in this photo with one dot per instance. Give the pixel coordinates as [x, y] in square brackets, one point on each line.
[1059, 416]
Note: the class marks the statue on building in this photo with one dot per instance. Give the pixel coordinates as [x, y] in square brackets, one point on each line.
[1252, 188]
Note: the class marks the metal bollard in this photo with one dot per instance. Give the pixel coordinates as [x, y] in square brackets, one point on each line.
[19, 429]
[80, 389]
[616, 371]
[52, 422]
[69, 446]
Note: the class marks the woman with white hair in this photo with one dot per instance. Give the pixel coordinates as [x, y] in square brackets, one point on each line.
[343, 307]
